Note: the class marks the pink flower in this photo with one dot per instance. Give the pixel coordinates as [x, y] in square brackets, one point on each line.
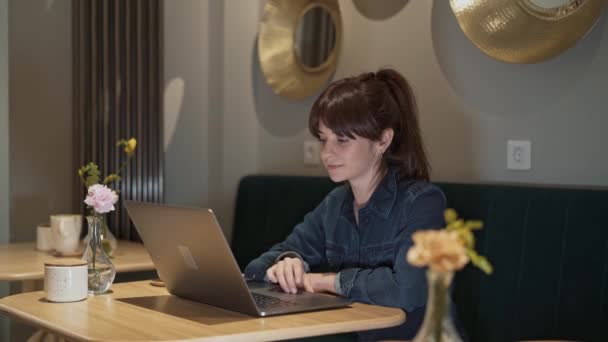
[101, 198]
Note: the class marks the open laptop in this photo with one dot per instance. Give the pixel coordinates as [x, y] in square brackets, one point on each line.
[195, 262]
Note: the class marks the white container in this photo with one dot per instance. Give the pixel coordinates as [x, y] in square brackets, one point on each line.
[65, 280]
[66, 230]
[44, 238]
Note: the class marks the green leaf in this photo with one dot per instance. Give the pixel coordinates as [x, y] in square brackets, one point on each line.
[93, 174]
[474, 224]
[467, 237]
[480, 262]
[111, 178]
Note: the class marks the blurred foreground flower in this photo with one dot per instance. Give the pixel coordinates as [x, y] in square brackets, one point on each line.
[448, 249]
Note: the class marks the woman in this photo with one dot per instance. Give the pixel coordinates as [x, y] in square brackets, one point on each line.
[355, 241]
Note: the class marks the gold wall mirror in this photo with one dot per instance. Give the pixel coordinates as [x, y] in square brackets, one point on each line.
[526, 31]
[299, 44]
[315, 38]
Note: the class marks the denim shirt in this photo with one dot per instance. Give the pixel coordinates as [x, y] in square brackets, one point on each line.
[370, 256]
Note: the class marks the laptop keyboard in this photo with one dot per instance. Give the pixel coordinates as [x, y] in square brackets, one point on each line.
[264, 301]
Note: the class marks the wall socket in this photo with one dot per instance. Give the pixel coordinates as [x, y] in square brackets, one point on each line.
[519, 155]
[312, 152]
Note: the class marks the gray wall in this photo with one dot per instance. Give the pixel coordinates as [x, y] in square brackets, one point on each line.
[4, 148]
[4, 122]
[41, 171]
[558, 104]
[186, 102]
[470, 104]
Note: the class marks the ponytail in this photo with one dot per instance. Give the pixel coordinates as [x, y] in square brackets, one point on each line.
[407, 149]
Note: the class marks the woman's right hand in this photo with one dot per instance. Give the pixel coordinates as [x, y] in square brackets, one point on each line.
[290, 274]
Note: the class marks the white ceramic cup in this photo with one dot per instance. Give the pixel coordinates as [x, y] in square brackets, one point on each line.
[66, 230]
[44, 238]
[65, 280]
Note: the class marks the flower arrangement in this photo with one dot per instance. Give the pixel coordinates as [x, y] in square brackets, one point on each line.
[448, 249]
[444, 251]
[100, 197]
[90, 177]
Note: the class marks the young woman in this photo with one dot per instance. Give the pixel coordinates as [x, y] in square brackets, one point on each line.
[356, 240]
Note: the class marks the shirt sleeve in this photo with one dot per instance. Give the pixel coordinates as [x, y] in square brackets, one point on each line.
[402, 285]
[337, 285]
[307, 241]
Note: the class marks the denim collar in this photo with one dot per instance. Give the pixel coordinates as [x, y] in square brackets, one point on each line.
[381, 201]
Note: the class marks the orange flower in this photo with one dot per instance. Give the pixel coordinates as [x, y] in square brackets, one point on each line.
[441, 250]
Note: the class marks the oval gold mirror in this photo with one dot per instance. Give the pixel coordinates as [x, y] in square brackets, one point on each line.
[526, 31]
[315, 38]
[299, 44]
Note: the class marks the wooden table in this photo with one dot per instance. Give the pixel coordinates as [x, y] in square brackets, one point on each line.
[22, 262]
[23, 265]
[140, 311]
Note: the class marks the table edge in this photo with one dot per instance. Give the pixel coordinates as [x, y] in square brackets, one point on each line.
[290, 333]
[144, 266]
[35, 321]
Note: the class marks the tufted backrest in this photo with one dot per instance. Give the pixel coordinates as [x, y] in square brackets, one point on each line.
[549, 248]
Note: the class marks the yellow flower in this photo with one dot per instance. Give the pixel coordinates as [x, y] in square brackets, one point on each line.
[130, 146]
[450, 215]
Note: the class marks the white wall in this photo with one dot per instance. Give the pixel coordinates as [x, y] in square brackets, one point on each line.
[40, 114]
[470, 104]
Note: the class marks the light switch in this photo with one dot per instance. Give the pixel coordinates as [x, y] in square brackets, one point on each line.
[519, 155]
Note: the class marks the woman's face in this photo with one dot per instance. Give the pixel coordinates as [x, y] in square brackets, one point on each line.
[354, 160]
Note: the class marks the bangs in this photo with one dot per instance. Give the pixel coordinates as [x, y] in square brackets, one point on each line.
[343, 109]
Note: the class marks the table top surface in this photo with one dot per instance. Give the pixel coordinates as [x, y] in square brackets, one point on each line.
[140, 311]
[21, 261]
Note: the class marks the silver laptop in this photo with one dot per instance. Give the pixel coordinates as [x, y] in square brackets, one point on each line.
[194, 261]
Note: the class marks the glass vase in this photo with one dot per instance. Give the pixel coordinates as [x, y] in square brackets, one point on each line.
[438, 325]
[108, 240]
[101, 269]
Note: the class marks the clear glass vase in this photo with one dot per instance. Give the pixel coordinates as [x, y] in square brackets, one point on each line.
[101, 269]
[108, 240]
[438, 325]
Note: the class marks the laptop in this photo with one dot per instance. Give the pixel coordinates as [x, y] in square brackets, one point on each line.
[194, 260]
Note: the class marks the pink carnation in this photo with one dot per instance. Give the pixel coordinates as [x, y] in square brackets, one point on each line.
[101, 198]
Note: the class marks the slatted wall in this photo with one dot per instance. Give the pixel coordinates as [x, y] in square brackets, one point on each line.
[117, 61]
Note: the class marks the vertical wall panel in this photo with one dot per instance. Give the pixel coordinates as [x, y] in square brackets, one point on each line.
[117, 86]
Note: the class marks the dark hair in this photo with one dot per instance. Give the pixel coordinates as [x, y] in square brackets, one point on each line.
[365, 106]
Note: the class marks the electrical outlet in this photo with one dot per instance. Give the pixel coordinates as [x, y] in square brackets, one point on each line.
[312, 152]
[519, 155]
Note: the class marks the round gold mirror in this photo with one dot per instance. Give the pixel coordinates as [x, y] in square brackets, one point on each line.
[299, 44]
[315, 38]
[526, 31]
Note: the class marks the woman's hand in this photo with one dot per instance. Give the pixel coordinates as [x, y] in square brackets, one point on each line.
[289, 274]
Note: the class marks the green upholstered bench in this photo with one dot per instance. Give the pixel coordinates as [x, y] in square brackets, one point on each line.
[549, 248]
